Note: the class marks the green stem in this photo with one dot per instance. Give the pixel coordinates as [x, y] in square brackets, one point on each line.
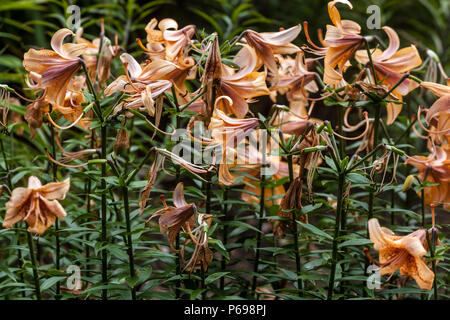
[98, 112]
[34, 266]
[340, 191]
[10, 186]
[258, 235]
[57, 240]
[103, 214]
[129, 237]
[295, 231]
[225, 235]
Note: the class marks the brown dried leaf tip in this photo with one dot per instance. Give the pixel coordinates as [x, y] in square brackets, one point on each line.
[291, 200]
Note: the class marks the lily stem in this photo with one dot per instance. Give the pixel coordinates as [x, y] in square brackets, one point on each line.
[10, 186]
[337, 226]
[57, 240]
[295, 231]
[225, 235]
[34, 266]
[126, 206]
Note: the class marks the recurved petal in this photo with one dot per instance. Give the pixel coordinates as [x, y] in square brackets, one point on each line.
[403, 60]
[441, 105]
[15, 207]
[438, 89]
[55, 190]
[394, 43]
[393, 110]
[134, 69]
[57, 42]
[282, 37]
[334, 13]
[34, 182]
[178, 196]
[53, 207]
[378, 236]
[419, 271]
[414, 245]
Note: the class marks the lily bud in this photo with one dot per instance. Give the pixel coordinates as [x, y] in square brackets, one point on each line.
[408, 182]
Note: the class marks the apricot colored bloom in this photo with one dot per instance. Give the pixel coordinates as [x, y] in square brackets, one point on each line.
[36, 204]
[438, 166]
[438, 116]
[404, 253]
[136, 84]
[168, 42]
[267, 44]
[342, 40]
[390, 65]
[99, 67]
[72, 108]
[53, 70]
[172, 219]
[239, 86]
[294, 79]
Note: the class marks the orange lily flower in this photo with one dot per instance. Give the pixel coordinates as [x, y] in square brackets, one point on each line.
[142, 91]
[342, 40]
[238, 85]
[167, 42]
[53, 70]
[390, 65]
[438, 166]
[174, 218]
[33, 205]
[103, 65]
[294, 77]
[267, 44]
[438, 116]
[404, 253]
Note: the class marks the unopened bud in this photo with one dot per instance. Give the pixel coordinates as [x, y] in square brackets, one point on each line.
[408, 182]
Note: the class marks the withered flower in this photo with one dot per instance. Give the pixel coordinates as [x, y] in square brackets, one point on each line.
[291, 201]
[34, 117]
[36, 204]
[53, 70]
[98, 68]
[404, 253]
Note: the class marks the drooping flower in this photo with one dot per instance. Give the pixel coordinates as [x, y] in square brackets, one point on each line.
[404, 253]
[36, 204]
[141, 90]
[53, 69]
[343, 40]
[390, 66]
[294, 79]
[436, 167]
[172, 219]
[438, 116]
[267, 44]
[239, 86]
[98, 68]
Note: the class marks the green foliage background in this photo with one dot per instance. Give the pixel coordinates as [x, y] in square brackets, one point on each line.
[25, 24]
